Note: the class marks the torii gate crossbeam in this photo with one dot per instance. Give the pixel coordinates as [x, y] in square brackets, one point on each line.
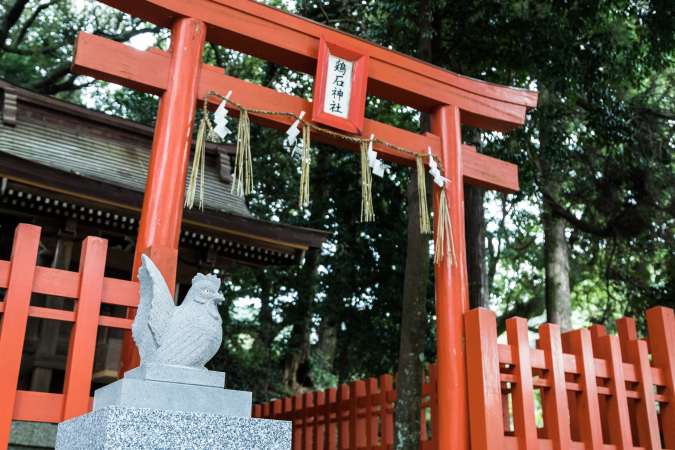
[274, 35]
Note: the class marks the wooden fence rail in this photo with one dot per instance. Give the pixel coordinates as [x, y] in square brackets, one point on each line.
[594, 391]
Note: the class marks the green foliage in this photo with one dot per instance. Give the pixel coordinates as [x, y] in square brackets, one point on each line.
[38, 37]
[598, 150]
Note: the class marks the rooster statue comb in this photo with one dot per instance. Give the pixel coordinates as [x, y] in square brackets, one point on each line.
[186, 335]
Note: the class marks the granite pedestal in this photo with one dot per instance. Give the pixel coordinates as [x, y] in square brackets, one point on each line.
[169, 407]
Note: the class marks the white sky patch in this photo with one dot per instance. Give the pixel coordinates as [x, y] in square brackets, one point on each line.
[245, 308]
[142, 41]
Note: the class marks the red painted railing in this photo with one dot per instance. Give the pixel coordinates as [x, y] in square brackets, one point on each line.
[597, 392]
[21, 277]
[355, 416]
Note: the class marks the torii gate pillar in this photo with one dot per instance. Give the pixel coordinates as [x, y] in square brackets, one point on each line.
[452, 290]
[165, 186]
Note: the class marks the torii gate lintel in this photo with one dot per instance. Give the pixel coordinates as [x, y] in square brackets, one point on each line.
[148, 71]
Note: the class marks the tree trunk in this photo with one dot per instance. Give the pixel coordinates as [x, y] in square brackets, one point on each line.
[474, 218]
[556, 260]
[297, 367]
[268, 328]
[414, 314]
[297, 372]
[327, 339]
[413, 329]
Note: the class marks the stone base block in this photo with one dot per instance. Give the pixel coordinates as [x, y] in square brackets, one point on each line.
[135, 393]
[177, 374]
[122, 428]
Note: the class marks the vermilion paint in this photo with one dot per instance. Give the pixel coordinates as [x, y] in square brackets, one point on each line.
[357, 408]
[89, 287]
[82, 347]
[165, 187]
[452, 290]
[14, 318]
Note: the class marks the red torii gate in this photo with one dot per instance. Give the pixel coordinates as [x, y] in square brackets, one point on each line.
[181, 80]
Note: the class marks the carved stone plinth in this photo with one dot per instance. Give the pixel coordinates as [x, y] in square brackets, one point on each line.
[171, 407]
[123, 428]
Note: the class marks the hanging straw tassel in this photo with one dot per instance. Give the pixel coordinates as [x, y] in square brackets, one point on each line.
[425, 228]
[197, 163]
[445, 244]
[304, 174]
[243, 166]
[367, 214]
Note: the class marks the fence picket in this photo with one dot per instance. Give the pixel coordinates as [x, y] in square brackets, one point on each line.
[554, 399]
[330, 443]
[319, 413]
[645, 408]
[598, 331]
[307, 404]
[371, 414]
[14, 320]
[433, 407]
[82, 347]
[609, 349]
[342, 424]
[588, 410]
[357, 424]
[386, 417]
[661, 323]
[298, 429]
[627, 332]
[482, 365]
[288, 409]
[522, 393]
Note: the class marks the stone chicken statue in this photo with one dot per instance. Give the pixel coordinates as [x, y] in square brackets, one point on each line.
[186, 335]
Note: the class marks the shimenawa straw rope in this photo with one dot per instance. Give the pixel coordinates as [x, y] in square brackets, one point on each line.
[244, 172]
[367, 214]
[243, 166]
[445, 244]
[313, 127]
[200, 154]
[425, 228]
[304, 168]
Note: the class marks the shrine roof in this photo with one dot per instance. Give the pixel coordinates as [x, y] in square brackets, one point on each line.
[98, 146]
[100, 157]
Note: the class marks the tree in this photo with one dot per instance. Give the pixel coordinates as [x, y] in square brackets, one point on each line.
[38, 39]
[591, 230]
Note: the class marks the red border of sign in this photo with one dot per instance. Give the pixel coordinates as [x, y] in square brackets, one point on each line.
[357, 104]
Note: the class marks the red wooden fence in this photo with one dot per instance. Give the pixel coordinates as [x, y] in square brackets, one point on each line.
[355, 416]
[21, 277]
[597, 392]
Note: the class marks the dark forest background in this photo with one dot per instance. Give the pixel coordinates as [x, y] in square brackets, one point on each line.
[588, 238]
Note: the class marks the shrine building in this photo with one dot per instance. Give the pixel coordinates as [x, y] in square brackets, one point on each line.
[77, 173]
